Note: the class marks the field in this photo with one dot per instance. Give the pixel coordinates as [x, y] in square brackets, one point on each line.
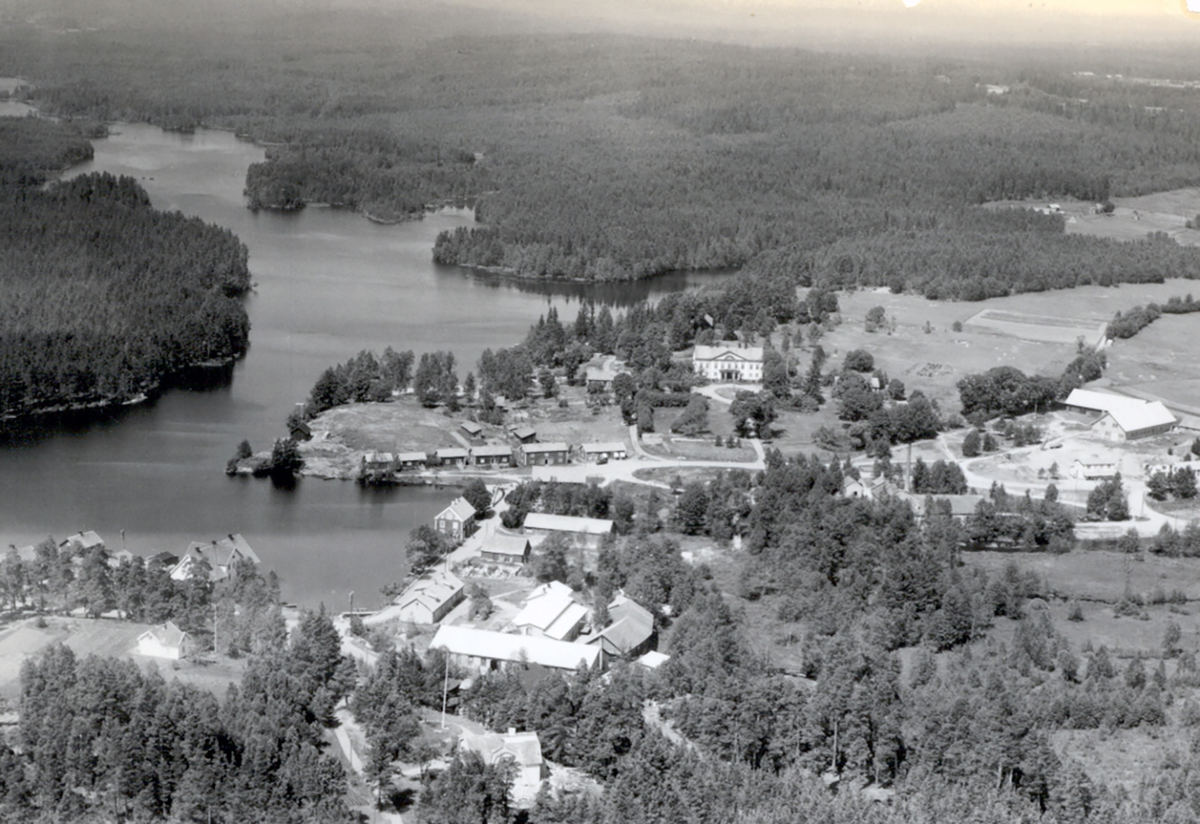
[106, 638]
[1039, 327]
[1136, 217]
[1162, 362]
[574, 425]
[934, 362]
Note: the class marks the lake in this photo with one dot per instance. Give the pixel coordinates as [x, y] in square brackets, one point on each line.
[328, 283]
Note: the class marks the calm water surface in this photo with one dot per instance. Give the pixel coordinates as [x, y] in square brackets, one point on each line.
[327, 284]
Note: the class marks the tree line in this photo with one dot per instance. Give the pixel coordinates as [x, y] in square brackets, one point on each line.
[106, 297]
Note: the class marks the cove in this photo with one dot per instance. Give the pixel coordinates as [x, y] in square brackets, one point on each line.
[328, 283]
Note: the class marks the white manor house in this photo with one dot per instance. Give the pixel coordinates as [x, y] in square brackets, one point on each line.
[731, 361]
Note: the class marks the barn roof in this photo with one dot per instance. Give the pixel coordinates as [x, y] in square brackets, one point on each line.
[568, 523]
[502, 646]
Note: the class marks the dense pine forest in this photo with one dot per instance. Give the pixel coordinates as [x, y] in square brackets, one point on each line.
[103, 296]
[602, 157]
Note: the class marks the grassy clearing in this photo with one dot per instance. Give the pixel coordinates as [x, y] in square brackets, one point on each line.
[1099, 575]
[109, 639]
[1162, 361]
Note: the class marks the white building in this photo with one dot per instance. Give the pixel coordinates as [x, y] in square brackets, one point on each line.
[551, 611]
[483, 650]
[222, 558]
[428, 599]
[1122, 418]
[729, 362]
[521, 749]
[586, 531]
[167, 641]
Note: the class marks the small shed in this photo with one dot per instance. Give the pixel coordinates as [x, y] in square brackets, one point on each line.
[299, 431]
[472, 429]
[525, 434]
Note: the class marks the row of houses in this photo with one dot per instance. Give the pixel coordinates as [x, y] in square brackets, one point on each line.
[218, 559]
[378, 465]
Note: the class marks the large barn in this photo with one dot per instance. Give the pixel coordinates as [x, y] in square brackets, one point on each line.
[1122, 418]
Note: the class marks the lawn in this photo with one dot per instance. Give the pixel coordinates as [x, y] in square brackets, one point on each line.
[1097, 575]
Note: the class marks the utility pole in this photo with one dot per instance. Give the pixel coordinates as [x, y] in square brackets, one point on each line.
[445, 687]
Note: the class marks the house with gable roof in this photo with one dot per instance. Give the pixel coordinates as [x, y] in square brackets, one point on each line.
[430, 598]
[551, 611]
[167, 641]
[222, 558]
[631, 632]
[522, 750]
[456, 521]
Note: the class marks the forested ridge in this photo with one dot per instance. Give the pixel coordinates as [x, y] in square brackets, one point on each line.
[599, 157]
[103, 296]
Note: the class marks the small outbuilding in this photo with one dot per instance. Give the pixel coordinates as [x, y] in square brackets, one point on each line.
[472, 429]
[411, 460]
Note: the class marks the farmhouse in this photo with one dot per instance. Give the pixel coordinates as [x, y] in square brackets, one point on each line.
[630, 632]
[1122, 418]
[484, 650]
[522, 750]
[586, 531]
[543, 454]
[411, 460]
[1093, 470]
[492, 455]
[456, 521]
[593, 452]
[222, 558]
[428, 599]
[506, 549]
[551, 611]
[167, 641]
[729, 362]
[451, 456]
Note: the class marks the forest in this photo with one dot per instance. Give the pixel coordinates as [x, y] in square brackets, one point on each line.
[604, 157]
[103, 296]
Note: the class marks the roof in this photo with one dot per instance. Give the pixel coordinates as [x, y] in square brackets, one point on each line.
[301, 427]
[168, 635]
[491, 450]
[471, 426]
[600, 373]
[524, 747]
[632, 624]
[1099, 401]
[960, 505]
[537, 448]
[513, 545]
[653, 660]
[460, 509]
[83, 540]
[731, 351]
[412, 456]
[503, 646]
[1143, 416]
[553, 611]
[568, 523]
[220, 555]
[451, 452]
[525, 432]
[431, 590]
[611, 446]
